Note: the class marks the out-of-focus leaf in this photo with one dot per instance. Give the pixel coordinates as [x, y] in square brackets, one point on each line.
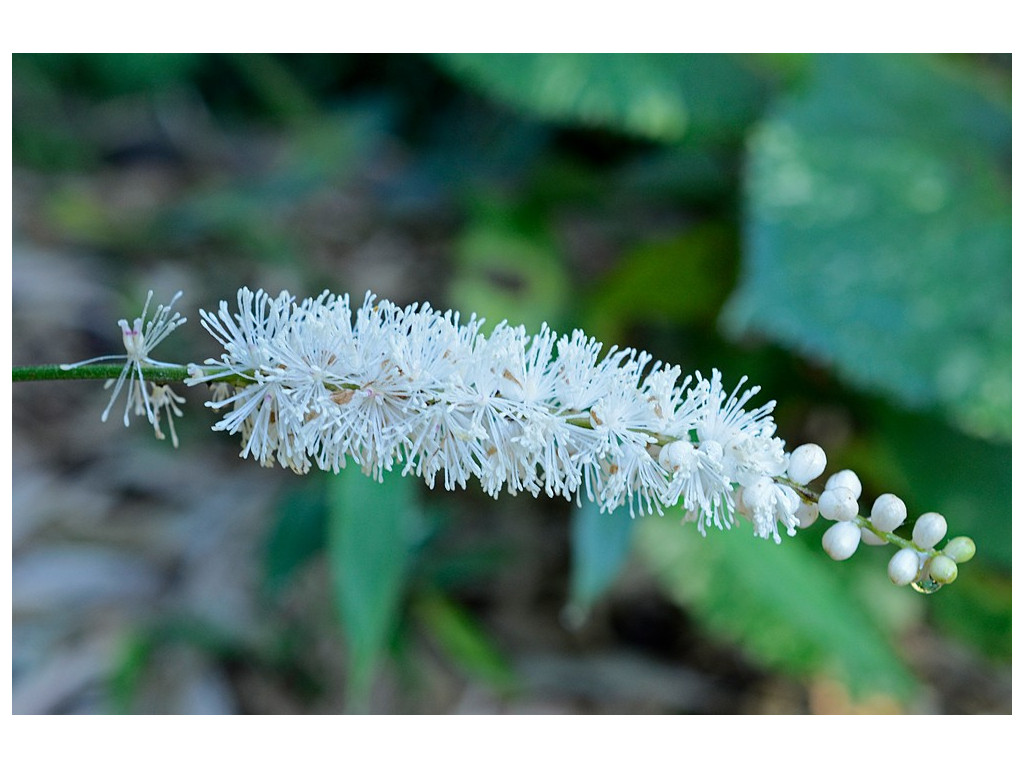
[783, 604]
[936, 468]
[600, 546]
[878, 234]
[508, 273]
[116, 73]
[676, 281]
[979, 609]
[371, 533]
[299, 532]
[663, 97]
[464, 641]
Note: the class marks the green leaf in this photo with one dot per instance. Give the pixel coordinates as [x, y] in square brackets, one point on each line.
[600, 545]
[299, 533]
[663, 97]
[505, 272]
[371, 533]
[878, 234]
[465, 641]
[786, 606]
[681, 280]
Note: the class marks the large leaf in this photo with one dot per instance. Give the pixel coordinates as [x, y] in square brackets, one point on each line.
[787, 606]
[600, 546]
[878, 234]
[371, 533]
[299, 532]
[656, 96]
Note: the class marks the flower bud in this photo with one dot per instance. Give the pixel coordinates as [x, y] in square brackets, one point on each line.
[806, 463]
[904, 567]
[888, 512]
[846, 478]
[961, 549]
[806, 514]
[759, 494]
[929, 530]
[838, 503]
[942, 569]
[677, 456]
[841, 540]
[868, 537]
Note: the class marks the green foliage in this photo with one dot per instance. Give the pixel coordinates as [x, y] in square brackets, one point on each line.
[509, 271]
[299, 532]
[663, 97]
[674, 282]
[786, 607]
[463, 640]
[372, 531]
[878, 234]
[600, 546]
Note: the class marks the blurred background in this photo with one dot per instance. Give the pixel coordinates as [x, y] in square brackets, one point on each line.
[837, 228]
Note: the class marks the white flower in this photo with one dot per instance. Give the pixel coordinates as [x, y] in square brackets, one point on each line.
[139, 339]
[317, 383]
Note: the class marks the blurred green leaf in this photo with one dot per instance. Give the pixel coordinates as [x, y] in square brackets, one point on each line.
[600, 545]
[979, 609]
[677, 281]
[785, 605]
[299, 533]
[371, 534]
[663, 97]
[465, 641]
[507, 271]
[878, 234]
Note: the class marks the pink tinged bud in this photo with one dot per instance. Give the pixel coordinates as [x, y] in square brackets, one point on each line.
[904, 567]
[888, 512]
[929, 530]
[841, 540]
[846, 478]
[806, 463]
[839, 504]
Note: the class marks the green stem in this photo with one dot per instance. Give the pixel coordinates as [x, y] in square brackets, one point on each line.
[156, 374]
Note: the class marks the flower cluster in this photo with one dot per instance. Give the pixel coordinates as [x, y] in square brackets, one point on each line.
[917, 561]
[320, 382]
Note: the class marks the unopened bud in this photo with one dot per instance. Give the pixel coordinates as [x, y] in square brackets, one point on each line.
[961, 549]
[904, 567]
[806, 463]
[846, 478]
[838, 503]
[942, 569]
[929, 530]
[888, 512]
[841, 540]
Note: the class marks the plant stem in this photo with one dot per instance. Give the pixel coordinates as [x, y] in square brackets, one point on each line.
[156, 374]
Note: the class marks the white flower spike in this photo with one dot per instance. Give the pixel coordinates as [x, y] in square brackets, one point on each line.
[320, 383]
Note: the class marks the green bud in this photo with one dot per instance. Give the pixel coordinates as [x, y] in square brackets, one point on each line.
[942, 569]
[961, 549]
